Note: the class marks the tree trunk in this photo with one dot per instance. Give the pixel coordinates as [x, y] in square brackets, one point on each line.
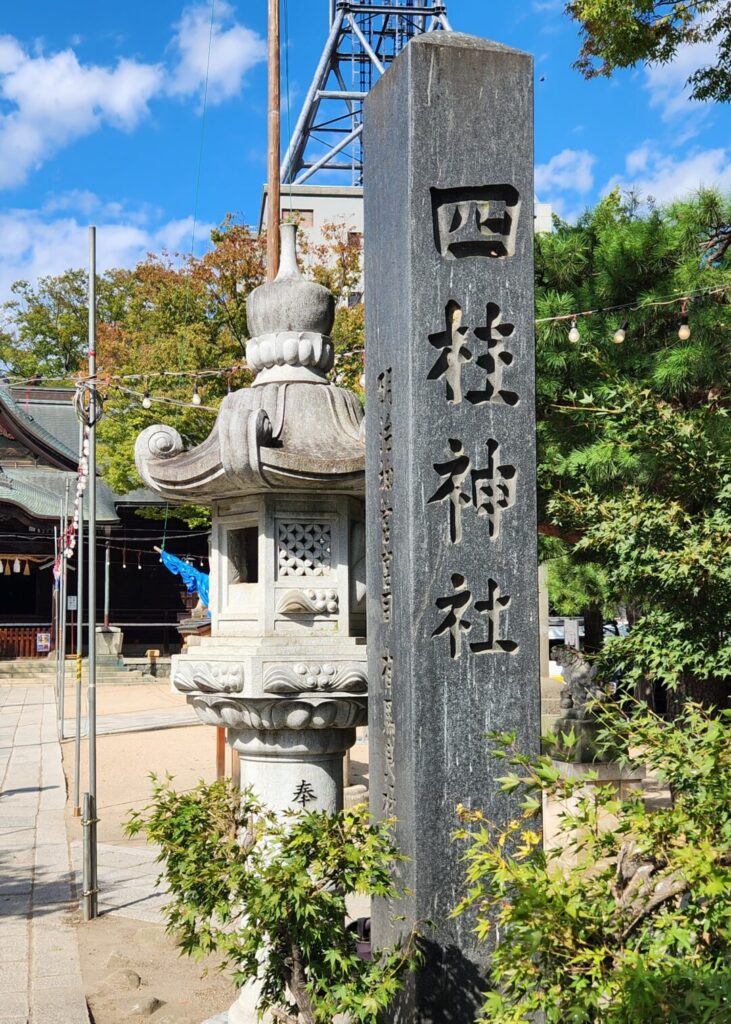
[708, 692]
[593, 629]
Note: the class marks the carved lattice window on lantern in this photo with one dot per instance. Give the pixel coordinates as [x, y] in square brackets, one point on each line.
[304, 549]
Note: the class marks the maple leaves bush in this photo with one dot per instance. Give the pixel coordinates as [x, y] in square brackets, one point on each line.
[636, 927]
[267, 894]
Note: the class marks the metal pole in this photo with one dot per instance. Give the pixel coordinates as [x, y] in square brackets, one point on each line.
[88, 883]
[54, 609]
[273, 191]
[92, 888]
[107, 561]
[79, 638]
[62, 615]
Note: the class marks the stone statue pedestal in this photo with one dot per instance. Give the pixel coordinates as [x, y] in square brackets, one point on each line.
[623, 780]
[109, 640]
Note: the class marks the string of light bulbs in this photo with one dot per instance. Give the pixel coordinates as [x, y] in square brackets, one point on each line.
[114, 380]
[620, 334]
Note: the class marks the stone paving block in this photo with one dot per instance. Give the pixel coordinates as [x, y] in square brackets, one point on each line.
[16, 859]
[59, 1005]
[66, 965]
[52, 895]
[14, 1003]
[14, 906]
[12, 819]
[52, 857]
[13, 944]
[54, 941]
[19, 884]
[14, 837]
[13, 978]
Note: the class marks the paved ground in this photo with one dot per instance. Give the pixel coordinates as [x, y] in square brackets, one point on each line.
[40, 978]
[135, 721]
[127, 881]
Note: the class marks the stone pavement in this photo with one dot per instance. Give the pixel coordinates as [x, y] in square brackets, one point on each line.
[40, 977]
[136, 721]
[127, 879]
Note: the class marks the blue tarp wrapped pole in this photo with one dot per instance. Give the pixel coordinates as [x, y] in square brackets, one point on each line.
[194, 580]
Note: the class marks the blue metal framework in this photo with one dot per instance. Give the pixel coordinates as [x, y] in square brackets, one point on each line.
[363, 40]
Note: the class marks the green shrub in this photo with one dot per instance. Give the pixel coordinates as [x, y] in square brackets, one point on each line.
[268, 895]
[636, 929]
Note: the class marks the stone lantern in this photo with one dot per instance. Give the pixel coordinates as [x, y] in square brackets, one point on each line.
[285, 667]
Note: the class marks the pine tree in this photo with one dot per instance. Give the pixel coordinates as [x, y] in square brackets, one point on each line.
[635, 439]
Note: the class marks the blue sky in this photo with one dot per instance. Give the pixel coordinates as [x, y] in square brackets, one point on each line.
[100, 120]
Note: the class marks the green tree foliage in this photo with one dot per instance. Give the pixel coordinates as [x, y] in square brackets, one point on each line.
[44, 328]
[616, 925]
[163, 322]
[268, 895]
[635, 440]
[623, 33]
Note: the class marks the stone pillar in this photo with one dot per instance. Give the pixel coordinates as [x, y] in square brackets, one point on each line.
[450, 470]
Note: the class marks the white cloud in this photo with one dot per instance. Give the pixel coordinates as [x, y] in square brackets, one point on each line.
[571, 170]
[37, 243]
[55, 100]
[666, 84]
[638, 159]
[48, 102]
[234, 50]
[657, 174]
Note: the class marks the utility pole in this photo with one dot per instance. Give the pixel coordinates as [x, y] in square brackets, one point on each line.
[273, 187]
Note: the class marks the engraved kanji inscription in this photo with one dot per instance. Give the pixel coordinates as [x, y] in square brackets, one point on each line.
[488, 351]
[493, 609]
[385, 485]
[304, 794]
[455, 623]
[488, 491]
[389, 733]
[475, 221]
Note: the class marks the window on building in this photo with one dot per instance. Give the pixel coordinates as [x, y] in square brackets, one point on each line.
[305, 218]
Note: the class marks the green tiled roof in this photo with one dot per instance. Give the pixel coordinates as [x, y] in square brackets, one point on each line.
[40, 492]
[33, 428]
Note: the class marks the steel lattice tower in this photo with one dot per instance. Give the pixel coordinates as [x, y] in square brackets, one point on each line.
[364, 38]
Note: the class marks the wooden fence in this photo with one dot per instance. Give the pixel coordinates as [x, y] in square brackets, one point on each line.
[20, 641]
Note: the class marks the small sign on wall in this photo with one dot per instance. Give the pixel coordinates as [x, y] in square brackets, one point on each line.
[43, 643]
[72, 603]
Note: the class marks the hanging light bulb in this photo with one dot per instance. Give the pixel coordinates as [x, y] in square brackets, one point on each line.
[139, 559]
[146, 400]
[16, 565]
[621, 333]
[196, 399]
[1, 567]
[26, 570]
[7, 568]
[574, 332]
[684, 329]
